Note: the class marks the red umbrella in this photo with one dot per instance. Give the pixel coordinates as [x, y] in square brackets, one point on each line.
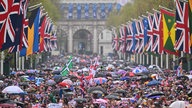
[131, 74]
[63, 84]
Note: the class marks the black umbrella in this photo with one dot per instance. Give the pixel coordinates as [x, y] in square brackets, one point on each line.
[48, 69]
[68, 93]
[112, 97]
[98, 88]
[183, 77]
[190, 93]
[120, 91]
[24, 84]
[156, 93]
[80, 100]
[56, 72]
[97, 92]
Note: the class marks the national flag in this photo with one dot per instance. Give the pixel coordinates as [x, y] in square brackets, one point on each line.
[23, 38]
[121, 40]
[42, 33]
[145, 27]
[53, 40]
[25, 35]
[129, 39]
[137, 37]
[33, 31]
[47, 44]
[115, 43]
[157, 33]
[66, 69]
[10, 23]
[190, 23]
[182, 27]
[133, 49]
[149, 38]
[141, 36]
[168, 25]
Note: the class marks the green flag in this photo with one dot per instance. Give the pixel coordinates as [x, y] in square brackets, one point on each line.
[67, 67]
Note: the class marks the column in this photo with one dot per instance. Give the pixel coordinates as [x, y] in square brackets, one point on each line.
[70, 40]
[157, 60]
[19, 63]
[2, 57]
[151, 59]
[95, 39]
[167, 61]
[161, 60]
[22, 63]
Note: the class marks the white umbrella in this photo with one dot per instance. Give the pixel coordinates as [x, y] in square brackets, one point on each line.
[12, 90]
[177, 104]
[85, 69]
[189, 76]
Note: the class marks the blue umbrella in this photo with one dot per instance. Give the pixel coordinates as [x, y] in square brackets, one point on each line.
[124, 78]
[38, 81]
[153, 82]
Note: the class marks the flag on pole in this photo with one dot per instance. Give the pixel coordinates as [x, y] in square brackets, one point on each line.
[182, 27]
[168, 25]
[67, 67]
[190, 23]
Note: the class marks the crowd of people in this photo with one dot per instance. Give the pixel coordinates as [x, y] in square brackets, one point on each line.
[95, 83]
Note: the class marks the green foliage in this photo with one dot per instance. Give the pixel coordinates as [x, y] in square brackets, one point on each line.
[136, 9]
[50, 7]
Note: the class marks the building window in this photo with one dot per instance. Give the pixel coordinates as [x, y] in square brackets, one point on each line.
[101, 35]
[101, 50]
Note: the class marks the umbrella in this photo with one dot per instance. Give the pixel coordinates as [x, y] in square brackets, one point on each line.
[101, 101]
[100, 80]
[97, 92]
[112, 97]
[56, 68]
[190, 93]
[48, 69]
[68, 81]
[68, 93]
[153, 82]
[58, 78]
[50, 82]
[98, 88]
[85, 69]
[80, 100]
[121, 72]
[189, 76]
[56, 72]
[31, 71]
[156, 93]
[131, 74]
[137, 70]
[120, 91]
[183, 77]
[20, 73]
[12, 90]
[63, 84]
[178, 104]
[124, 78]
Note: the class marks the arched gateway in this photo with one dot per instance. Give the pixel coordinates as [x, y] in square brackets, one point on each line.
[83, 21]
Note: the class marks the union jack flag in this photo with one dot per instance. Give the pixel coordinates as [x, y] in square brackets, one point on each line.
[137, 44]
[141, 36]
[122, 39]
[53, 41]
[9, 11]
[182, 27]
[157, 33]
[47, 36]
[148, 46]
[23, 38]
[115, 40]
[129, 39]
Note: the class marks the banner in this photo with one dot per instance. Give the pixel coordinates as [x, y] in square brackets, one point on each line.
[102, 8]
[70, 11]
[86, 9]
[94, 11]
[78, 11]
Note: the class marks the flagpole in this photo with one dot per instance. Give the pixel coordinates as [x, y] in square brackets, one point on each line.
[173, 62]
[156, 10]
[15, 61]
[161, 60]
[166, 8]
[156, 62]
[34, 6]
[167, 61]
[23, 63]
[2, 59]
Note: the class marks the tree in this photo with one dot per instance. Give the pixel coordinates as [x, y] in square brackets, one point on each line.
[50, 7]
[136, 9]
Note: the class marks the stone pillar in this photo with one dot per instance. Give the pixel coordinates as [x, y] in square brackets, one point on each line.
[2, 58]
[95, 39]
[22, 63]
[70, 40]
[19, 67]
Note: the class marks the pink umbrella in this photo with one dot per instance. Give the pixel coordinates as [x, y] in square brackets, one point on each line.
[100, 101]
[68, 81]
[121, 72]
